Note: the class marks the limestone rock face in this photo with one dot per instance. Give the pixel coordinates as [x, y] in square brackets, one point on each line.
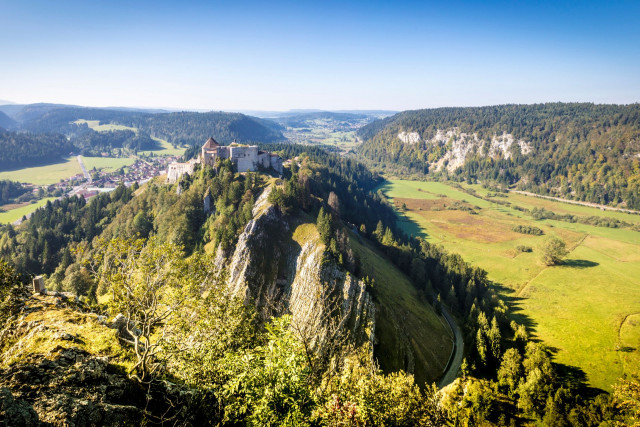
[281, 275]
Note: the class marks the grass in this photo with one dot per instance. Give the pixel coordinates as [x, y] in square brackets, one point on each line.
[91, 336]
[45, 175]
[403, 319]
[95, 125]
[166, 149]
[107, 164]
[577, 308]
[13, 215]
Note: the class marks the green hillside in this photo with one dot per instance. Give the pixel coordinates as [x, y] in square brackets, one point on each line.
[403, 318]
[580, 151]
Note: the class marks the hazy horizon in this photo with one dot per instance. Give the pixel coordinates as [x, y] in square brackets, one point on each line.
[331, 56]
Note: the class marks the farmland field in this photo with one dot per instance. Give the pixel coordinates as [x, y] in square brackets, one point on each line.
[44, 175]
[17, 213]
[107, 164]
[587, 309]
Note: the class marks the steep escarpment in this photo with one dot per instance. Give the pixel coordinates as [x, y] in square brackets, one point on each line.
[280, 265]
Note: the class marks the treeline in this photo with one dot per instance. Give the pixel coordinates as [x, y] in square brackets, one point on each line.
[11, 191]
[528, 229]
[27, 149]
[94, 143]
[582, 151]
[354, 184]
[44, 242]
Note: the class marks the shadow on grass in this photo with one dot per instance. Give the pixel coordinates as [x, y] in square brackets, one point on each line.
[579, 263]
[575, 378]
[36, 164]
[514, 303]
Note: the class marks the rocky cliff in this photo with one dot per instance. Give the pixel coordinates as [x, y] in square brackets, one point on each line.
[280, 265]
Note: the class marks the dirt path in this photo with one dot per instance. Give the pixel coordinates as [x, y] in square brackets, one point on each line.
[455, 360]
[523, 287]
[577, 202]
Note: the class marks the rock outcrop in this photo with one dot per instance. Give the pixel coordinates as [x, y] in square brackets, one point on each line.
[61, 366]
[461, 145]
[280, 272]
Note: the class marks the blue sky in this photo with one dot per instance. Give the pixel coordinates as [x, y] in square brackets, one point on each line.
[280, 55]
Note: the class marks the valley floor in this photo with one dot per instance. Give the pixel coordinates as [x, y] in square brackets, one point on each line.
[587, 309]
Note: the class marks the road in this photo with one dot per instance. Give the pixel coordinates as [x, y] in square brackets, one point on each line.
[576, 202]
[455, 360]
[84, 170]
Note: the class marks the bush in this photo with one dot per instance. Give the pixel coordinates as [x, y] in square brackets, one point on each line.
[527, 229]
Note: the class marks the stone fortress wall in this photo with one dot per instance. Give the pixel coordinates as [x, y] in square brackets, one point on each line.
[247, 158]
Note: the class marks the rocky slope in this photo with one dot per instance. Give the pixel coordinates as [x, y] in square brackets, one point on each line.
[62, 367]
[280, 266]
[461, 145]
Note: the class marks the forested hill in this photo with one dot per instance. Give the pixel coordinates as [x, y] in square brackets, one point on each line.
[183, 128]
[194, 128]
[6, 122]
[579, 150]
[27, 149]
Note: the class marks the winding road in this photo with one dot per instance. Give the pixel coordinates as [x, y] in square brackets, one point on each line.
[455, 360]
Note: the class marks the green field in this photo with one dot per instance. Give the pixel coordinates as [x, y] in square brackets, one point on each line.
[45, 175]
[15, 214]
[585, 309]
[95, 125]
[107, 164]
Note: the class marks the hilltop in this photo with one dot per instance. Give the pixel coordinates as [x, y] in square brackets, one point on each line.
[582, 151]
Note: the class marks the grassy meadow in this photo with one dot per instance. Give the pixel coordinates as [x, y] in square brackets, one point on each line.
[587, 309]
[107, 164]
[13, 215]
[44, 175]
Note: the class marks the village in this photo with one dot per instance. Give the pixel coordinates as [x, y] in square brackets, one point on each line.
[92, 182]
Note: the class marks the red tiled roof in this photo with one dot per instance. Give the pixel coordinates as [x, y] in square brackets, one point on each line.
[211, 143]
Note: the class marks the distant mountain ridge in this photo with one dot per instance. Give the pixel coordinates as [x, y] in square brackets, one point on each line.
[577, 150]
[184, 128]
[33, 124]
[6, 122]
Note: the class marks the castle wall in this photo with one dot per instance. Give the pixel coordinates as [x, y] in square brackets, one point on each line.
[245, 158]
[275, 162]
[176, 170]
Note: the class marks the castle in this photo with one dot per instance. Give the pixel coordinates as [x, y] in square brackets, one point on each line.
[245, 157]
